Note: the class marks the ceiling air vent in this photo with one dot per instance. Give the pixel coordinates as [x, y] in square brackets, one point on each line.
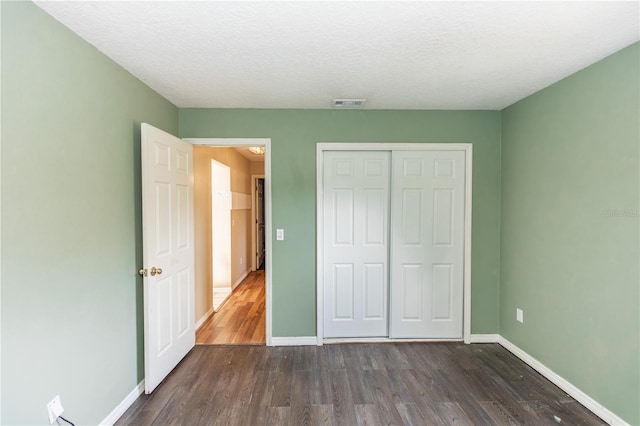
[348, 103]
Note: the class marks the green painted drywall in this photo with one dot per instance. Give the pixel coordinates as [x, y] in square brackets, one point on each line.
[294, 134]
[71, 299]
[570, 247]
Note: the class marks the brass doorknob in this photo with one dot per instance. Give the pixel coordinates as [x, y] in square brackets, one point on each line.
[142, 272]
[155, 271]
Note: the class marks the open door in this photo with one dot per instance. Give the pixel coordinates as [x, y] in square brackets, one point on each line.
[168, 252]
[260, 234]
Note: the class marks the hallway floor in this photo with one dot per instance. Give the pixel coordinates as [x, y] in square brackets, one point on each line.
[241, 319]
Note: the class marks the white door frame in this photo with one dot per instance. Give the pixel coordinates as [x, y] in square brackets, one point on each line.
[345, 146]
[266, 142]
[254, 237]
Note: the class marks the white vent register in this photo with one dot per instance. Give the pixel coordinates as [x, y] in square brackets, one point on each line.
[348, 103]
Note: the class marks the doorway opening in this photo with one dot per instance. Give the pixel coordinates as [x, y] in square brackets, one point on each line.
[220, 233]
[231, 282]
[258, 231]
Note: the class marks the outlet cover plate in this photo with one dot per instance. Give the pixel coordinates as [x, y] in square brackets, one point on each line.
[55, 409]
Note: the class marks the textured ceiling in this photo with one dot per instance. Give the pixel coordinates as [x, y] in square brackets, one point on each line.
[397, 55]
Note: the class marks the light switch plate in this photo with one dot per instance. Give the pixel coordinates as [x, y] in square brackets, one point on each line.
[519, 315]
[279, 234]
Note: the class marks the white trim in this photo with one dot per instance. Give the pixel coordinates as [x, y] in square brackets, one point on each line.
[319, 245]
[219, 297]
[563, 384]
[127, 402]
[391, 146]
[234, 142]
[294, 341]
[240, 201]
[340, 146]
[204, 318]
[332, 341]
[237, 283]
[468, 195]
[484, 338]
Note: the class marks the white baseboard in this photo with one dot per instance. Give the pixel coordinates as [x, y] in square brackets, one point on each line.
[338, 340]
[220, 295]
[563, 384]
[117, 412]
[239, 280]
[484, 338]
[294, 341]
[204, 318]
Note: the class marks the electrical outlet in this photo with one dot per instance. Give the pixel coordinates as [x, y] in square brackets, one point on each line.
[279, 234]
[519, 315]
[54, 408]
[241, 261]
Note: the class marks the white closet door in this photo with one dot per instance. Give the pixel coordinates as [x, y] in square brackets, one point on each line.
[427, 222]
[356, 244]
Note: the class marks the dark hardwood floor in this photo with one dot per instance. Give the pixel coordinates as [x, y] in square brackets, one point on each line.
[241, 319]
[356, 384]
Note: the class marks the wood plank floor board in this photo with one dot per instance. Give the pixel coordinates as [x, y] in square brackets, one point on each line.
[400, 389]
[383, 398]
[453, 414]
[320, 387]
[164, 400]
[281, 396]
[279, 416]
[359, 386]
[410, 415]
[322, 415]
[355, 384]
[367, 415]
[341, 398]
[252, 411]
[429, 410]
[301, 411]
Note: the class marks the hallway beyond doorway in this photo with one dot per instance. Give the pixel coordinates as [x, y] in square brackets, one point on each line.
[241, 319]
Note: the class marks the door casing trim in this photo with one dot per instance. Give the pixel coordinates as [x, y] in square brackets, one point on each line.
[321, 147]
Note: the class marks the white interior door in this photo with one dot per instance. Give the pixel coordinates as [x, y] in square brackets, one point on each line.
[168, 253]
[355, 243]
[427, 254]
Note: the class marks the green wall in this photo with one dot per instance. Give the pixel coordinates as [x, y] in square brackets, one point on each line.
[570, 241]
[294, 134]
[71, 299]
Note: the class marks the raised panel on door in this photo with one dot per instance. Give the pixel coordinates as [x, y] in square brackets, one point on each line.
[355, 243]
[427, 250]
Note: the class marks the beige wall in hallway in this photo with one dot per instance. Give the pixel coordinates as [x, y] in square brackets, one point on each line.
[240, 219]
[256, 167]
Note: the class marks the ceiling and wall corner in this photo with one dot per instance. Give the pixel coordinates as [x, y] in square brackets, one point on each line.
[397, 55]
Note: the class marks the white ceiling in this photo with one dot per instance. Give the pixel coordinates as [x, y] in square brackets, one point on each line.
[397, 55]
[244, 151]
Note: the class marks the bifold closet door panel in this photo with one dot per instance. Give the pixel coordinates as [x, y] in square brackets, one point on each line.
[427, 250]
[356, 198]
